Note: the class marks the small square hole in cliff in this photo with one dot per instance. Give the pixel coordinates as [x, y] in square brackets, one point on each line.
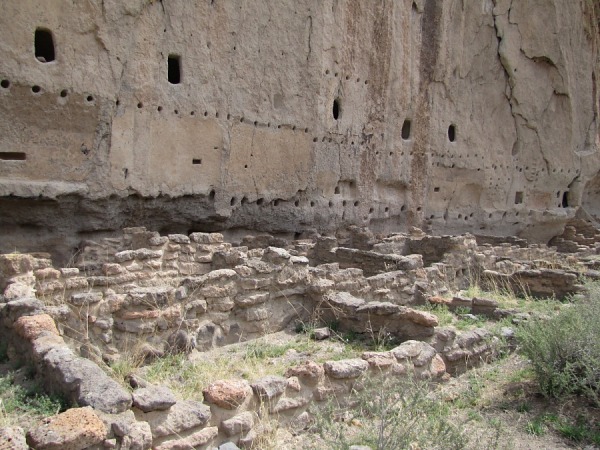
[518, 198]
[406, 130]
[44, 45]
[174, 69]
[452, 133]
[12, 156]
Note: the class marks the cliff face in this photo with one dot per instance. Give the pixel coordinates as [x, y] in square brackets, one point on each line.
[286, 116]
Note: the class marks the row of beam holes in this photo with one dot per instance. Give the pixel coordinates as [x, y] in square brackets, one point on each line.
[505, 213]
[44, 52]
[500, 166]
[469, 216]
[312, 204]
[256, 123]
[347, 77]
[35, 89]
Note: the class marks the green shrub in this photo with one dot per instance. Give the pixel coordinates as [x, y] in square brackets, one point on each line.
[564, 350]
[19, 405]
[388, 413]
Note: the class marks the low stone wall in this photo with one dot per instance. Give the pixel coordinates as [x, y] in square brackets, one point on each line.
[544, 283]
[579, 235]
[145, 300]
[151, 294]
[151, 417]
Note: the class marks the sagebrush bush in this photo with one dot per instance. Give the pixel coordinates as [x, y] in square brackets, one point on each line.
[388, 413]
[565, 350]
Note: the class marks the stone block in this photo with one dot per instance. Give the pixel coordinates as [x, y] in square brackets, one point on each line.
[138, 436]
[144, 253]
[47, 274]
[123, 256]
[276, 255]
[86, 298]
[153, 398]
[347, 368]
[287, 403]
[83, 381]
[308, 372]
[238, 424]
[30, 327]
[417, 352]
[194, 440]
[75, 429]
[74, 283]
[206, 238]
[182, 416]
[13, 438]
[256, 314]
[245, 300]
[378, 360]
[179, 238]
[221, 304]
[227, 394]
[269, 387]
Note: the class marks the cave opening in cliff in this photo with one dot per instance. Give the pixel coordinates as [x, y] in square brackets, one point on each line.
[565, 199]
[406, 130]
[337, 108]
[174, 69]
[452, 133]
[44, 45]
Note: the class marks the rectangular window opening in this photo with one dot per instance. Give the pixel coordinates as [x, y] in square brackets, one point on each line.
[518, 198]
[196, 161]
[174, 69]
[44, 45]
[406, 130]
[565, 199]
[12, 156]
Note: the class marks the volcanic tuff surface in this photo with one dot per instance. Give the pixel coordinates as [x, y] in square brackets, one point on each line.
[293, 116]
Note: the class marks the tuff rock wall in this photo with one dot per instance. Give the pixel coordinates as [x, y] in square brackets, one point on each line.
[295, 116]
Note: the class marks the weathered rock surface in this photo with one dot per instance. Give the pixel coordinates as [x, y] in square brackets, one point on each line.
[138, 436]
[30, 327]
[13, 438]
[153, 398]
[75, 429]
[182, 416]
[228, 394]
[308, 371]
[238, 424]
[83, 381]
[194, 440]
[269, 387]
[348, 368]
[493, 123]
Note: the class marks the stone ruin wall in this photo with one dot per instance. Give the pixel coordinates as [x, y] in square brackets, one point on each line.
[291, 117]
[146, 294]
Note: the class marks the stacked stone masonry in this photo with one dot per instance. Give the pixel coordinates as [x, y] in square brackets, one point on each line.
[178, 293]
